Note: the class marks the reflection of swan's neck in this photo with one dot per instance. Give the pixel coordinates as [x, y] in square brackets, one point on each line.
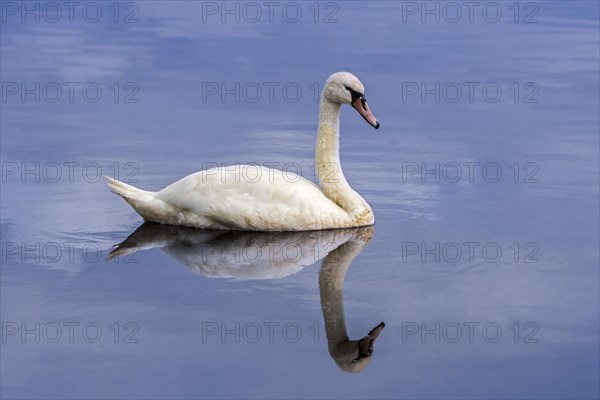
[331, 282]
[327, 161]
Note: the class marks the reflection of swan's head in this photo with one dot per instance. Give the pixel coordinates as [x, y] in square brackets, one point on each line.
[357, 353]
[345, 88]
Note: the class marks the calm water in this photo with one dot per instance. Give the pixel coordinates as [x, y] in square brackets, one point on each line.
[483, 263]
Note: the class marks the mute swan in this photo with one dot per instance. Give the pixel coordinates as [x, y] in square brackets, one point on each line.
[219, 199]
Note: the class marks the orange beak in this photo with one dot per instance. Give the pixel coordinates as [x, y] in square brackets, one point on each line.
[360, 104]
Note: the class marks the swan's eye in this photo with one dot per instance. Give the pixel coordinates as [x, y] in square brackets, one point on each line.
[355, 95]
[348, 88]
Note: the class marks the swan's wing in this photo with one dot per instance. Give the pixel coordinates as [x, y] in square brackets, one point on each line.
[254, 198]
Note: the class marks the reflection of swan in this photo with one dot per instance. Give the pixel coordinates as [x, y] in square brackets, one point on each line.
[226, 254]
[249, 197]
[235, 254]
[349, 355]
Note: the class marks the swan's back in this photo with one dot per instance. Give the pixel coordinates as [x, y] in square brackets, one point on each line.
[248, 197]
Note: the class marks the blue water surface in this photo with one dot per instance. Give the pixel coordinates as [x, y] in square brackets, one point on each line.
[484, 180]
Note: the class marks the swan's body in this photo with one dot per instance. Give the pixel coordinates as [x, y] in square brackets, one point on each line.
[265, 199]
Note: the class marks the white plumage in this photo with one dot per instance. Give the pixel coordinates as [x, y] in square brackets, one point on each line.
[271, 200]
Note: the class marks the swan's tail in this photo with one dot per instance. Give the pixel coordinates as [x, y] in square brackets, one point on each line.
[146, 204]
[128, 192]
[142, 201]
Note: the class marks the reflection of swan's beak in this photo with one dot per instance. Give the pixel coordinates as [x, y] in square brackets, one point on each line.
[360, 104]
[365, 345]
[122, 250]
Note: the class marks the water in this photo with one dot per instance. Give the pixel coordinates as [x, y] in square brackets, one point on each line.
[487, 283]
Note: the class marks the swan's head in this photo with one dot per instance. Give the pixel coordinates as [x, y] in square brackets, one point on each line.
[345, 88]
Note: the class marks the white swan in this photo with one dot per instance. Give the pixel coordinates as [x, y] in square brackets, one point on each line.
[271, 201]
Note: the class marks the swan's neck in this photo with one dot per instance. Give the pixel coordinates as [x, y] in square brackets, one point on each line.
[327, 161]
